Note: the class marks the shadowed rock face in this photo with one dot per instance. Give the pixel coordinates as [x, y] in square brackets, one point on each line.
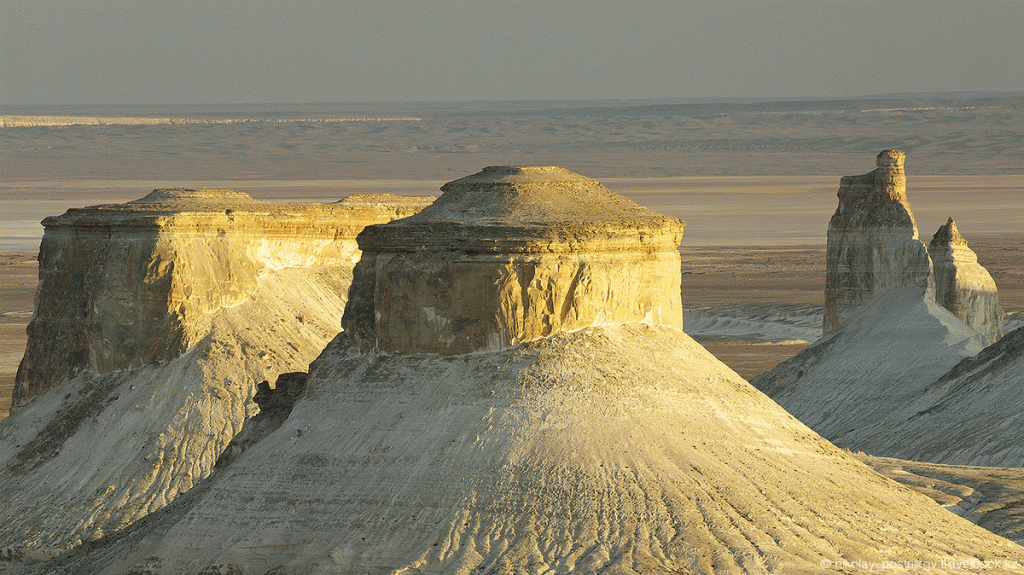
[125, 285]
[512, 254]
[962, 285]
[873, 243]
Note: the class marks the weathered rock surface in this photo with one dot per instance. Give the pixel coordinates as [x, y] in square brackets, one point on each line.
[125, 285]
[962, 285]
[992, 497]
[873, 241]
[860, 380]
[509, 255]
[614, 449]
[244, 291]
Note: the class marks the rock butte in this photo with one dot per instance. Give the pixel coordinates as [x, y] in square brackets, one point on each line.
[619, 448]
[126, 285]
[509, 255]
[962, 285]
[214, 293]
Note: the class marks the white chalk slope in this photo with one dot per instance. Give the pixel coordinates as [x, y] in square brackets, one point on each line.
[973, 415]
[100, 451]
[619, 449]
[859, 382]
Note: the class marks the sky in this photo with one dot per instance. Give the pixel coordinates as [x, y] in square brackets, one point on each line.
[258, 51]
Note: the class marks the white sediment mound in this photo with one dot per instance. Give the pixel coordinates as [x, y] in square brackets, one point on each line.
[99, 451]
[859, 380]
[972, 415]
[618, 449]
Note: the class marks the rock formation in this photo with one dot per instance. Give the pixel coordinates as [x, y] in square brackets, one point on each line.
[126, 285]
[873, 243]
[893, 327]
[962, 285]
[622, 447]
[231, 292]
[510, 255]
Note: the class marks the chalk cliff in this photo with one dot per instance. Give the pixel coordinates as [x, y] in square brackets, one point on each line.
[165, 314]
[610, 444]
[126, 285]
[873, 241]
[962, 285]
[509, 255]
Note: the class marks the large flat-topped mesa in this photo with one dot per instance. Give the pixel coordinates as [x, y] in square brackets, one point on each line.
[124, 285]
[873, 243]
[513, 254]
[962, 285]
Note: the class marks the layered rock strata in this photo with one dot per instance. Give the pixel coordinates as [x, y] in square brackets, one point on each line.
[622, 447]
[510, 255]
[126, 285]
[962, 285]
[873, 241]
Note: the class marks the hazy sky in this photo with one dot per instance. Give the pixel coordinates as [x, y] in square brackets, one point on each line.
[214, 51]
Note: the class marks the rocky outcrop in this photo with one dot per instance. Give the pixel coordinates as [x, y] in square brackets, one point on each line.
[246, 301]
[962, 285]
[510, 255]
[620, 447]
[126, 285]
[873, 242]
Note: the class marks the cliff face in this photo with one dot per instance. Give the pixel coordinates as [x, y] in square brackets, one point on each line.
[873, 242]
[962, 285]
[509, 255]
[122, 286]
